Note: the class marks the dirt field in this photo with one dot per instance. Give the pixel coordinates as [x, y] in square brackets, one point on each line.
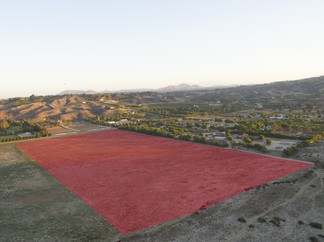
[36, 207]
[152, 179]
[58, 131]
[281, 144]
[87, 127]
[77, 127]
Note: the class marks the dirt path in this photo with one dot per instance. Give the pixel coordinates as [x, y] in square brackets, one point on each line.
[68, 128]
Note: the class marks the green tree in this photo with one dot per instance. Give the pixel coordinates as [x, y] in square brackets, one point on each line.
[229, 135]
[269, 141]
[248, 140]
[4, 124]
[32, 98]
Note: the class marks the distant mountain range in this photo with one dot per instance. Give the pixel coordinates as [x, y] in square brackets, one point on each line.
[171, 88]
[300, 93]
[77, 92]
[181, 87]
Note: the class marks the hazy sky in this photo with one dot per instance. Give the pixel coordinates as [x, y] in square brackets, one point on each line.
[49, 46]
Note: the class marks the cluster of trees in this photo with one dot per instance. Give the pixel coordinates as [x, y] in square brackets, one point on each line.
[294, 149]
[172, 132]
[168, 131]
[316, 138]
[116, 116]
[266, 132]
[264, 125]
[202, 125]
[18, 101]
[12, 127]
[268, 141]
[33, 127]
[251, 145]
[229, 135]
[190, 109]
[203, 140]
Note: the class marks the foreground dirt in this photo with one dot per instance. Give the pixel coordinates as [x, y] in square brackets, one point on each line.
[35, 207]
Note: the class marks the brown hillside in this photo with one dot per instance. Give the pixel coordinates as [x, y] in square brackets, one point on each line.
[63, 108]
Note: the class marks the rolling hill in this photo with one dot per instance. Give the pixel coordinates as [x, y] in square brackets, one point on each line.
[299, 93]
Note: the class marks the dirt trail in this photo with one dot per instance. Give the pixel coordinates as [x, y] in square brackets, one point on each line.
[68, 128]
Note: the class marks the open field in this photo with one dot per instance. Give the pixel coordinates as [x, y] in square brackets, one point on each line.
[87, 127]
[76, 127]
[137, 181]
[58, 130]
[34, 206]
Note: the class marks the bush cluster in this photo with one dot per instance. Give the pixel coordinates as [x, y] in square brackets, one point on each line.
[294, 149]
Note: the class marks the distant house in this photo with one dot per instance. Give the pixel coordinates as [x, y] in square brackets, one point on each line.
[26, 134]
[281, 117]
[111, 122]
[122, 121]
[266, 128]
[221, 136]
[258, 106]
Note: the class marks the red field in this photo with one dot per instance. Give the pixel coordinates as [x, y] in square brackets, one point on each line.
[136, 181]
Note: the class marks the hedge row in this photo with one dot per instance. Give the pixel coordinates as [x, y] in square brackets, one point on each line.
[22, 138]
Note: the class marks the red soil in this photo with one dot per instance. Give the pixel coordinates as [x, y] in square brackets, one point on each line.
[136, 181]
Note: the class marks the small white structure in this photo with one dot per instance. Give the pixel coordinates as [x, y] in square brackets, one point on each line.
[26, 134]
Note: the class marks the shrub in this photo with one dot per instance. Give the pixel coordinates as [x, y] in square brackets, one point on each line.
[220, 143]
[316, 225]
[241, 219]
[262, 220]
[275, 222]
[314, 239]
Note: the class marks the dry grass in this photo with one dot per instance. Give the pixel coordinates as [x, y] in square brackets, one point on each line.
[36, 207]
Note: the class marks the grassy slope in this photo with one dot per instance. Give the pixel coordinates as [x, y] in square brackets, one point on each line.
[34, 206]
